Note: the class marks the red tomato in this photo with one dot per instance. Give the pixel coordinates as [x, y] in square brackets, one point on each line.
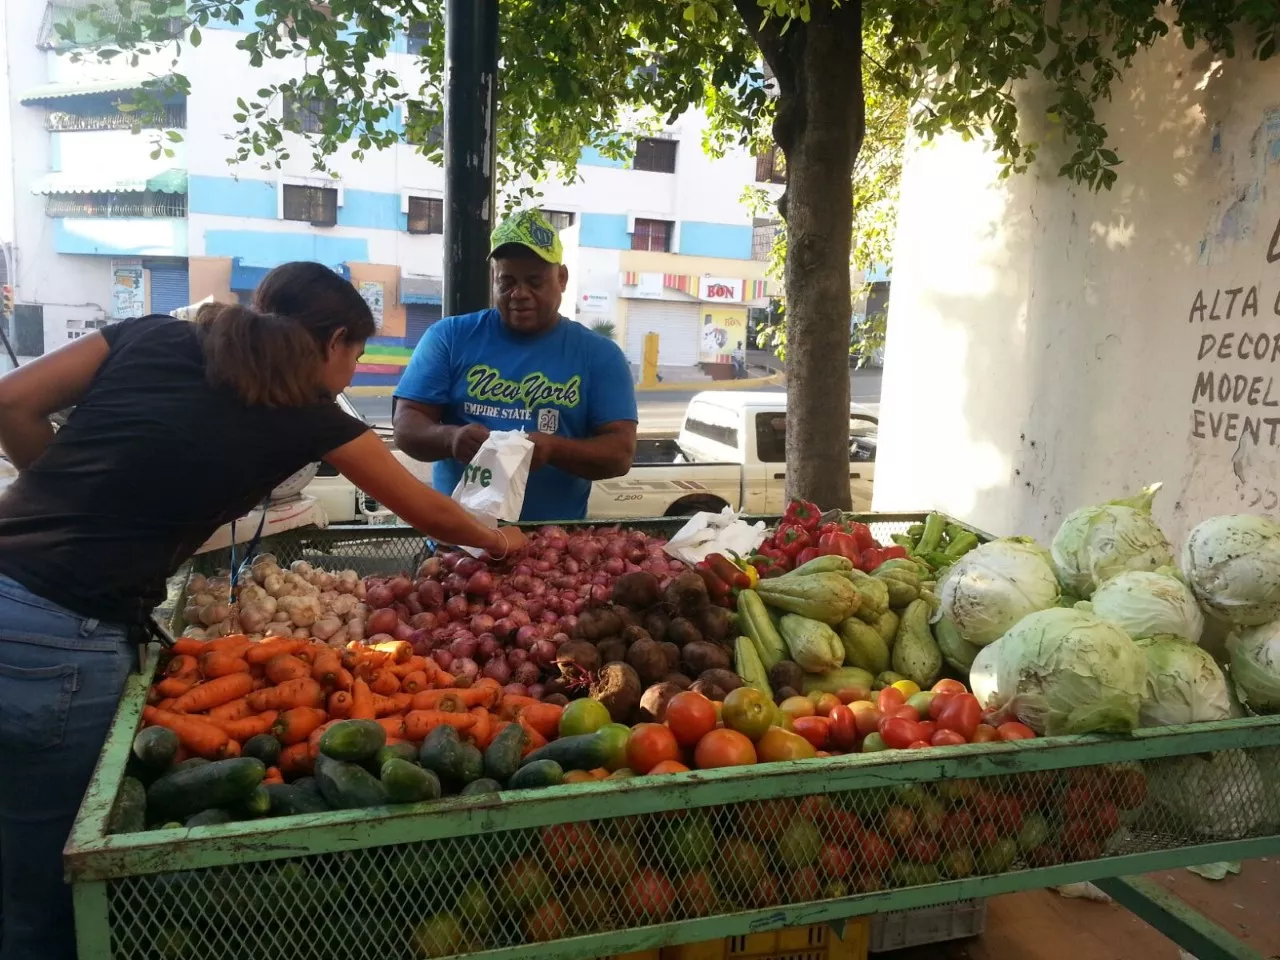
[843, 734]
[902, 713]
[929, 727]
[1015, 731]
[889, 699]
[899, 732]
[962, 713]
[814, 729]
[876, 853]
[947, 738]
[938, 703]
[867, 719]
[948, 685]
[984, 733]
[919, 745]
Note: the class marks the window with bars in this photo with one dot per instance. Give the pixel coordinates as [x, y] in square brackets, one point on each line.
[771, 166]
[172, 116]
[655, 155]
[417, 37]
[652, 235]
[307, 112]
[763, 234]
[82, 23]
[116, 205]
[315, 205]
[415, 122]
[426, 215]
[560, 219]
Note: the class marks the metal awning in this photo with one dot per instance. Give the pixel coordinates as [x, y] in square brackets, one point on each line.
[173, 180]
[87, 88]
[421, 289]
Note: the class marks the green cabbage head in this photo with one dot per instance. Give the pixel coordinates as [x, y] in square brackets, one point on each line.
[1233, 565]
[992, 587]
[1095, 544]
[1184, 684]
[1146, 603]
[1064, 671]
[1255, 666]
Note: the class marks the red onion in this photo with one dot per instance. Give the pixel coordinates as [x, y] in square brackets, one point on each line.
[497, 669]
[568, 622]
[543, 653]
[515, 690]
[489, 648]
[516, 656]
[558, 542]
[615, 549]
[468, 566]
[600, 578]
[615, 566]
[454, 583]
[632, 568]
[570, 566]
[538, 589]
[480, 583]
[504, 629]
[482, 623]
[534, 609]
[402, 631]
[430, 594]
[380, 638]
[526, 673]
[520, 617]
[559, 638]
[464, 668]
[537, 690]
[464, 646]
[413, 604]
[521, 570]
[541, 566]
[579, 605]
[381, 621]
[422, 636]
[456, 607]
[499, 610]
[442, 657]
[474, 608]
[400, 587]
[451, 560]
[430, 567]
[590, 554]
[600, 594]
[521, 582]
[423, 621]
[550, 616]
[526, 636]
[379, 596]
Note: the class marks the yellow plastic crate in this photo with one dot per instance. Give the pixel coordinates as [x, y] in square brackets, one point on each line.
[815, 942]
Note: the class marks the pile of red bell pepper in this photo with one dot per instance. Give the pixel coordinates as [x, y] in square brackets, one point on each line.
[801, 536]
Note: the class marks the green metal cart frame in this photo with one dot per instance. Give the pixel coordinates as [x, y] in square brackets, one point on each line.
[375, 883]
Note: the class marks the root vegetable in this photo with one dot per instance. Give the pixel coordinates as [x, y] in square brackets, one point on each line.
[538, 691]
[618, 688]
[657, 623]
[527, 674]
[380, 596]
[400, 587]
[654, 700]
[465, 669]
[596, 624]
[430, 594]
[726, 680]
[579, 654]
[672, 653]
[679, 679]
[716, 624]
[687, 595]
[648, 660]
[631, 634]
[702, 656]
[383, 621]
[611, 650]
[515, 690]
[786, 673]
[443, 658]
[543, 654]
[682, 632]
[326, 627]
[709, 690]
[497, 669]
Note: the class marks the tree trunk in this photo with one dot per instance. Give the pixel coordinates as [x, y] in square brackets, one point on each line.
[819, 126]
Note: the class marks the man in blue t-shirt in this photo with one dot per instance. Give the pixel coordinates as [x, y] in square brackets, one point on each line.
[521, 366]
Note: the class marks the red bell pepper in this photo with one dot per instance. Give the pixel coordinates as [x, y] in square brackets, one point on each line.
[791, 538]
[872, 558]
[807, 554]
[862, 535]
[781, 563]
[804, 513]
[894, 552]
[839, 545]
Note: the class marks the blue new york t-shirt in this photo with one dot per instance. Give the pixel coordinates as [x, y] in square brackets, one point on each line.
[567, 381]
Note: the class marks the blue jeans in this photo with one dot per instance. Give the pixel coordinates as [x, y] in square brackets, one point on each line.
[61, 676]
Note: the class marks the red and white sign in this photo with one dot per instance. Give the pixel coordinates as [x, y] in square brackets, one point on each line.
[720, 289]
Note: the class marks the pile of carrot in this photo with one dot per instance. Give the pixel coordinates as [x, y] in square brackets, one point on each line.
[217, 694]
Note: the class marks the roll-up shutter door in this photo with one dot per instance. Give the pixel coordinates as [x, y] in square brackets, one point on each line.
[418, 319]
[676, 324]
[170, 285]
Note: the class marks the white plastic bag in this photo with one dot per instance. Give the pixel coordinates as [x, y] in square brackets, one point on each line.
[707, 533]
[493, 483]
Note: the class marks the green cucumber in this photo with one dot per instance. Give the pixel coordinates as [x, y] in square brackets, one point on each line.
[348, 786]
[256, 804]
[395, 751]
[502, 759]
[353, 740]
[540, 773]
[212, 817]
[483, 785]
[155, 748]
[406, 782]
[288, 799]
[264, 746]
[129, 812]
[189, 790]
[584, 751]
[454, 762]
[191, 763]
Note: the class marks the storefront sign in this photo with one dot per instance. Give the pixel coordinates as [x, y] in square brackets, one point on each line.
[373, 292]
[724, 333]
[595, 303]
[720, 289]
[127, 293]
[648, 287]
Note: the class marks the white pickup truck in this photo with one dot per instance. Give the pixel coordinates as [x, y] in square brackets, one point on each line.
[731, 452]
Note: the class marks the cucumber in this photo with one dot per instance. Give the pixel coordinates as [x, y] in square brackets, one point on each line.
[288, 799]
[308, 784]
[406, 782]
[353, 740]
[347, 786]
[540, 773]
[502, 759]
[191, 789]
[395, 751]
[191, 762]
[155, 748]
[483, 785]
[454, 762]
[129, 812]
[584, 751]
[256, 804]
[208, 818]
[264, 746]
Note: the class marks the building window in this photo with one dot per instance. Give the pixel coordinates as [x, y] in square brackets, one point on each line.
[66, 26]
[560, 219]
[315, 205]
[116, 205]
[173, 116]
[426, 215]
[418, 37]
[307, 113]
[654, 235]
[763, 234]
[653, 154]
[771, 166]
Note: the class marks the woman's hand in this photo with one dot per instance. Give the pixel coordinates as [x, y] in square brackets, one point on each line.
[508, 541]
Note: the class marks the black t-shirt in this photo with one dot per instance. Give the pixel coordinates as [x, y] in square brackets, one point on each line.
[151, 462]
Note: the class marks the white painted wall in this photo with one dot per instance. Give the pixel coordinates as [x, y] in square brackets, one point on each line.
[1042, 353]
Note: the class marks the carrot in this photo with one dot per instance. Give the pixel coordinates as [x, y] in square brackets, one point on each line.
[412, 665]
[415, 682]
[233, 750]
[395, 727]
[267, 650]
[303, 692]
[325, 667]
[232, 710]
[444, 679]
[165, 704]
[273, 775]
[456, 699]
[182, 665]
[232, 641]
[199, 736]
[396, 703]
[189, 646]
[482, 733]
[296, 724]
[313, 739]
[296, 760]
[419, 723]
[343, 679]
[362, 707]
[340, 704]
[543, 717]
[174, 687]
[512, 704]
[384, 682]
[215, 664]
[532, 738]
[213, 693]
[286, 667]
[397, 650]
[246, 727]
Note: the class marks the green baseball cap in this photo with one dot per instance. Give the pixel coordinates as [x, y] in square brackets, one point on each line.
[530, 229]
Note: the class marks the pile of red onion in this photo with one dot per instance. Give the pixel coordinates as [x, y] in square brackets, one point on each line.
[507, 620]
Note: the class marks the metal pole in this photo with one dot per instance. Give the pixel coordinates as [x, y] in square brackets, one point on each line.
[470, 106]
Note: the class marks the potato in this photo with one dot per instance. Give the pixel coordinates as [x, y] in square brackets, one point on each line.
[702, 656]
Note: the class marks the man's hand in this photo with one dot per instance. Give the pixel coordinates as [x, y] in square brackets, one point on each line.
[544, 445]
[468, 440]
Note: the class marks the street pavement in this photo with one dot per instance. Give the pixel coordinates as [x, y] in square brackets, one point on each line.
[660, 412]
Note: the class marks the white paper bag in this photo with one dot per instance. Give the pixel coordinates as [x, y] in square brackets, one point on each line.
[493, 483]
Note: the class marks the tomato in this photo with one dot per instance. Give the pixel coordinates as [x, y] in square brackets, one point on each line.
[920, 849]
[890, 699]
[748, 711]
[650, 895]
[842, 826]
[929, 727]
[547, 922]
[867, 719]
[836, 861]
[697, 894]
[961, 713]
[939, 703]
[844, 728]
[765, 892]
[875, 854]
[873, 743]
[957, 829]
[902, 713]
[899, 732]
[649, 745]
[724, 748]
[823, 702]
[984, 733]
[899, 823]
[569, 846]
[670, 766]
[1106, 820]
[847, 695]
[947, 738]
[778, 744]
[583, 716]
[909, 688]
[804, 885]
[1015, 731]
[947, 685]
[817, 730]
[691, 716]
[797, 707]
[919, 745]
[922, 701]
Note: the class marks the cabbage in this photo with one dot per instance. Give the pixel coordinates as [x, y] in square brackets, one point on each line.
[1184, 684]
[1233, 565]
[1095, 544]
[994, 586]
[1145, 604]
[1223, 796]
[983, 677]
[1068, 671]
[1255, 666]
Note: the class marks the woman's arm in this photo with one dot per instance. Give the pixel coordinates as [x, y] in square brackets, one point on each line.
[30, 395]
[367, 463]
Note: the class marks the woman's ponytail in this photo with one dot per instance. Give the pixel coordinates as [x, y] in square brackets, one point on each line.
[264, 359]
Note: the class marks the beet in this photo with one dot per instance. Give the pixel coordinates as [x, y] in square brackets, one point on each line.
[631, 634]
[649, 661]
[657, 622]
[637, 591]
[702, 656]
[726, 680]
[709, 690]
[556, 699]
[786, 673]
[682, 632]
[628, 617]
[783, 694]
[618, 688]
[580, 654]
[653, 702]
[716, 624]
[672, 653]
[679, 679]
[597, 624]
[611, 649]
[687, 595]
